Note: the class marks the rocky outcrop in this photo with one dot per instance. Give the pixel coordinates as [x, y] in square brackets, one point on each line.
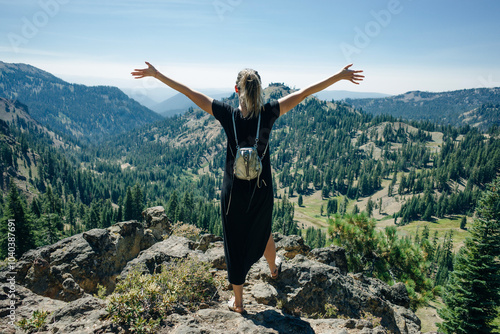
[333, 256]
[157, 221]
[73, 267]
[313, 294]
[306, 286]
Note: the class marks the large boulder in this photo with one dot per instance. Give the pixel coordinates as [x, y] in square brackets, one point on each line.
[73, 267]
[18, 302]
[333, 256]
[291, 245]
[150, 260]
[307, 287]
[157, 222]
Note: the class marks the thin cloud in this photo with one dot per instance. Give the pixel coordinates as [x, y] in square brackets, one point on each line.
[33, 52]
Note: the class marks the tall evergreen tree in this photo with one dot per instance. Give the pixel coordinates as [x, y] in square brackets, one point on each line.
[472, 294]
[138, 202]
[128, 206]
[445, 260]
[172, 206]
[21, 230]
[93, 216]
[50, 234]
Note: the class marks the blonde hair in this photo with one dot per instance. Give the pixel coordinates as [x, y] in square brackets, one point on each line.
[250, 88]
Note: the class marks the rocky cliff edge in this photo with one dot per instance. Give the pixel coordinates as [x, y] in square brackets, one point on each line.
[64, 278]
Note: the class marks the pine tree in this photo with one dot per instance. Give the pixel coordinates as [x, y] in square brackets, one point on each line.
[369, 207]
[331, 207]
[428, 212]
[472, 294]
[445, 260]
[138, 203]
[93, 216]
[128, 209]
[50, 234]
[172, 207]
[15, 211]
[463, 222]
[119, 213]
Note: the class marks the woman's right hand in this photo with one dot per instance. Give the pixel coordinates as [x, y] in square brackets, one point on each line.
[151, 71]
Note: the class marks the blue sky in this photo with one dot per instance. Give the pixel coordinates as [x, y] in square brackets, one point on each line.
[401, 45]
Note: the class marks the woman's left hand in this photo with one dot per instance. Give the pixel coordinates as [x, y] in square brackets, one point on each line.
[351, 75]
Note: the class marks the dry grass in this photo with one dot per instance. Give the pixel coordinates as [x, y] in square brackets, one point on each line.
[429, 317]
[442, 226]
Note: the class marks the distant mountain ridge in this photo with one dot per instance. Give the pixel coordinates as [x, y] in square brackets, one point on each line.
[446, 108]
[85, 112]
[179, 103]
[344, 94]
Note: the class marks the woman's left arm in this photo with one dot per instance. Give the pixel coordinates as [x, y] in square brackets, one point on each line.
[288, 102]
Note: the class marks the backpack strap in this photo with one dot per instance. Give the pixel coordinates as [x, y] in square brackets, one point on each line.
[256, 135]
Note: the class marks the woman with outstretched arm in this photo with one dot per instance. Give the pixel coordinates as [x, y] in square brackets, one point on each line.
[247, 205]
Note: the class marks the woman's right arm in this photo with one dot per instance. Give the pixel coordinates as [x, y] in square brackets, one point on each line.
[200, 99]
[288, 102]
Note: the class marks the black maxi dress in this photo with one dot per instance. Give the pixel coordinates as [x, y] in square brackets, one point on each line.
[246, 219]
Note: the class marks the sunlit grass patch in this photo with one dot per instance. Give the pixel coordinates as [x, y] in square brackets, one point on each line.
[442, 226]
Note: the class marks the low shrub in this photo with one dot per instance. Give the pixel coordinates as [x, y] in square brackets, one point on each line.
[142, 301]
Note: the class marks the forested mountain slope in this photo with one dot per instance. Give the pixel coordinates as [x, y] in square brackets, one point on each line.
[18, 158]
[88, 113]
[476, 107]
[348, 160]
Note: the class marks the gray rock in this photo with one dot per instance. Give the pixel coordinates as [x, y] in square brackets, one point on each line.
[399, 295]
[151, 259]
[25, 302]
[264, 293]
[98, 239]
[268, 321]
[333, 256]
[82, 315]
[70, 287]
[215, 256]
[305, 287]
[292, 245]
[190, 329]
[157, 222]
[90, 258]
[206, 240]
